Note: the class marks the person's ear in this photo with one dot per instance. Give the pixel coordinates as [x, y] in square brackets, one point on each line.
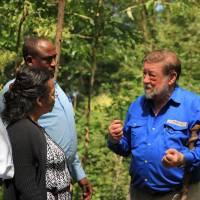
[172, 78]
[29, 60]
[39, 102]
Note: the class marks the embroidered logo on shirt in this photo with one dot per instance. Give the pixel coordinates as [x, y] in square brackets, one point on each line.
[178, 123]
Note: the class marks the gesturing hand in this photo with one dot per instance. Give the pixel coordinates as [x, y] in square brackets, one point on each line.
[115, 131]
[173, 158]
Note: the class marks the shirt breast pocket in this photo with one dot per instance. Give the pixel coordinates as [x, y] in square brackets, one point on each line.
[137, 129]
[176, 136]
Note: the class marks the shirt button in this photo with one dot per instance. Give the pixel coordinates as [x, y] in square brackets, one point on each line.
[149, 144]
[153, 129]
[145, 179]
[146, 161]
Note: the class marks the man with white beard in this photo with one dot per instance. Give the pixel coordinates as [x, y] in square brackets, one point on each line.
[156, 133]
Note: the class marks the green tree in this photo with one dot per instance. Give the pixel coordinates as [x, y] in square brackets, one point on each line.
[103, 44]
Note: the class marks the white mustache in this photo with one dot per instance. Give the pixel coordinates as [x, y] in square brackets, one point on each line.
[147, 86]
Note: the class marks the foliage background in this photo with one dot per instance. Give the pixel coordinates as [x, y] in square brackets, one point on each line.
[103, 44]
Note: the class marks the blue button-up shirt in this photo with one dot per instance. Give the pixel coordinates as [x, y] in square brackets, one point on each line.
[60, 126]
[146, 137]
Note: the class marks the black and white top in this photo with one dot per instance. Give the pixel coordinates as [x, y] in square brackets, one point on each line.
[58, 178]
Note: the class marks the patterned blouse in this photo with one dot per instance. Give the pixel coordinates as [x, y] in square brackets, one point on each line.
[58, 178]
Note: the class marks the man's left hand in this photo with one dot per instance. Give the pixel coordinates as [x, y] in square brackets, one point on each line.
[173, 158]
[86, 187]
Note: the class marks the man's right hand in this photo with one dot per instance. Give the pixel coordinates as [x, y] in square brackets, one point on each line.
[115, 131]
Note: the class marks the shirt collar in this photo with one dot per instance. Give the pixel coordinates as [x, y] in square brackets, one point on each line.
[176, 97]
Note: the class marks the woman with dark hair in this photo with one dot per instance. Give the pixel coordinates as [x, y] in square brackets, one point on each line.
[40, 165]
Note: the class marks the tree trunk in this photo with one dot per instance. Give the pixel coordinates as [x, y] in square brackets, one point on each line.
[94, 49]
[59, 29]
[144, 16]
[22, 19]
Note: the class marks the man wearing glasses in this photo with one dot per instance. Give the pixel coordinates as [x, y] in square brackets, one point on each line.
[59, 123]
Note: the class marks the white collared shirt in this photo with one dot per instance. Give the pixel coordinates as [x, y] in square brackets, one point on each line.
[6, 162]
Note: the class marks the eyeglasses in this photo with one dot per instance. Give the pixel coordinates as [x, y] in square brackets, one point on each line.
[47, 59]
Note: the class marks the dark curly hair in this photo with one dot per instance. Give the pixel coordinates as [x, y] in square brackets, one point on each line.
[30, 83]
